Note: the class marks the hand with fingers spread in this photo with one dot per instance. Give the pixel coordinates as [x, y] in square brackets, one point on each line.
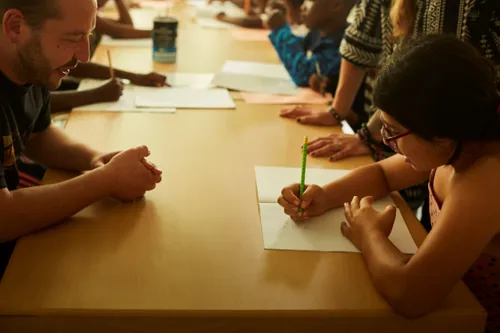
[363, 219]
[131, 174]
[306, 116]
[314, 202]
[337, 147]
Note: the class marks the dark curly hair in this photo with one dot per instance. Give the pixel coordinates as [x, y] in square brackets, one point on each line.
[440, 87]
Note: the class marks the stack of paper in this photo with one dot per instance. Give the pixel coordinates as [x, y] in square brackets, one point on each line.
[317, 234]
[120, 42]
[185, 98]
[256, 77]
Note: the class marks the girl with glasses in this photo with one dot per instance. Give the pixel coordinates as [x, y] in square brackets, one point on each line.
[439, 110]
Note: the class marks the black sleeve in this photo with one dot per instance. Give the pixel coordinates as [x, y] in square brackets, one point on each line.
[3, 183]
[43, 121]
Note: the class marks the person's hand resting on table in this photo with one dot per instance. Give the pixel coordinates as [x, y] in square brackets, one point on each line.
[337, 147]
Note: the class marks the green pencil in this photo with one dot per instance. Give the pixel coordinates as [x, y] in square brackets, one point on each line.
[303, 174]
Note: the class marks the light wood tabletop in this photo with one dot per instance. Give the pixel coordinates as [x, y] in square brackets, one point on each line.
[190, 256]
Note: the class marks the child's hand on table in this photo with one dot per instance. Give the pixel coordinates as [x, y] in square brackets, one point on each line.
[363, 219]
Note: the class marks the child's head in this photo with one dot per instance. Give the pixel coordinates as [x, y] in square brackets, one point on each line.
[442, 91]
[326, 15]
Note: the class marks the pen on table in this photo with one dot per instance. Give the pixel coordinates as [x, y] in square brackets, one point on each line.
[303, 173]
[111, 70]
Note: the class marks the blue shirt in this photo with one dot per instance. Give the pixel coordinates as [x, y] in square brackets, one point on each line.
[300, 54]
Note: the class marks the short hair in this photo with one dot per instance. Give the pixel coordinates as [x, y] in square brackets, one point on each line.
[35, 11]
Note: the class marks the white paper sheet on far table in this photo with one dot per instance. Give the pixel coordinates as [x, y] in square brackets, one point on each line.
[256, 77]
[317, 234]
[186, 98]
[120, 42]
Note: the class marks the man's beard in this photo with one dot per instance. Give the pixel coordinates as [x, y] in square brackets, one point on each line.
[32, 66]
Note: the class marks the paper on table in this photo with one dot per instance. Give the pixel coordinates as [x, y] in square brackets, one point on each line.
[108, 41]
[346, 128]
[156, 4]
[216, 7]
[277, 71]
[186, 98]
[144, 17]
[255, 77]
[213, 23]
[271, 180]
[126, 103]
[322, 233]
[305, 96]
[250, 35]
[318, 234]
[184, 80]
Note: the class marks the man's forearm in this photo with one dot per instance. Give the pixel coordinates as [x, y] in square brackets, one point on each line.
[27, 210]
[55, 149]
[67, 100]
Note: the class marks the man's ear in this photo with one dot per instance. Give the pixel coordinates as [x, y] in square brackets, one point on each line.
[12, 24]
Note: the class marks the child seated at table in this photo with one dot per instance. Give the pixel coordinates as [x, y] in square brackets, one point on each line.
[317, 53]
[445, 125]
[67, 98]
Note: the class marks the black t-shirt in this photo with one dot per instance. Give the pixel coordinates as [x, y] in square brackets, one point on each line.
[23, 110]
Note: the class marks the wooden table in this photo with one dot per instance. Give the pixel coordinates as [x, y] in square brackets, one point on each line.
[190, 257]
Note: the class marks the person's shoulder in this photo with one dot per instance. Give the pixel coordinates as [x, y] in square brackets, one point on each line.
[481, 180]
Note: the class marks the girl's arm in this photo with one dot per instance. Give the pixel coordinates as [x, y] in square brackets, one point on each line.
[466, 224]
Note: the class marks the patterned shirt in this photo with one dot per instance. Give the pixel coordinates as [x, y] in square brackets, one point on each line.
[368, 40]
[23, 110]
[299, 55]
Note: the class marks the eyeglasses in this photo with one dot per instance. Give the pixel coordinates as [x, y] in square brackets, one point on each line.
[390, 139]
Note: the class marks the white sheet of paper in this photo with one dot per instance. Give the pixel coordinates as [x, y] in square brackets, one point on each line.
[346, 128]
[108, 41]
[256, 77]
[186, 98]
[271, 180]
[213, 24]
[275, 71]
[144, 17]
[318, 234]
[188, 80]
[126, 103]
[323, 232]
[216, 7]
